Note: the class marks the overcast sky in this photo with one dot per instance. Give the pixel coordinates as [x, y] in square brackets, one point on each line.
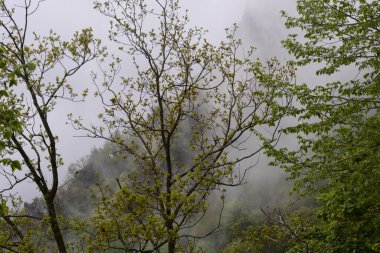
[259, 20]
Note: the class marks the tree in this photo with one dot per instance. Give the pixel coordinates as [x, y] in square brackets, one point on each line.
[28, 96]
[16, 228]
[338, 154]
[9, 116]
[280, 232]
[187, 95]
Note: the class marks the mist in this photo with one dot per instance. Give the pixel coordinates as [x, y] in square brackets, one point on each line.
[259, 21]
[259, 24]
[202, 135]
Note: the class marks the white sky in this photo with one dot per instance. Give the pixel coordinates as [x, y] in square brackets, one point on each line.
[259, 20]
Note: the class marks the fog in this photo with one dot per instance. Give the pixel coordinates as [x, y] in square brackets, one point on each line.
[153, 180]
[259, 21]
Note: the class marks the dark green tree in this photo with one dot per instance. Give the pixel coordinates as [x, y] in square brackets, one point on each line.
[339, 144]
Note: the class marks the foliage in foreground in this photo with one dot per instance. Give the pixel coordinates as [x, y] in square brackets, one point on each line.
[202, 98]
[339, 143]
[34, 75]
[210, 98]
[188, 94]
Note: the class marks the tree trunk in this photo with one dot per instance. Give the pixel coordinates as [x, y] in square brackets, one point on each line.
[171, 246]
[55, 226]
[171, 237]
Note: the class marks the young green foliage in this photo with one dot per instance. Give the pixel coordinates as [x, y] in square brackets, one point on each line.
[339, 148]
[16, 227]
[188, 95]
[28, 95]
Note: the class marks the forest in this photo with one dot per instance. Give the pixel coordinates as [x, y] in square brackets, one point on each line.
[183, 126]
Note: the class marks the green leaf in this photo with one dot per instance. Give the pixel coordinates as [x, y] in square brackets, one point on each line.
[31, 66]
[3, 208]
[7, 133]
[15, 165]
[3, 93]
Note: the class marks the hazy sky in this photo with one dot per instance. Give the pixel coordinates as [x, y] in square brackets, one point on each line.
[259, 20]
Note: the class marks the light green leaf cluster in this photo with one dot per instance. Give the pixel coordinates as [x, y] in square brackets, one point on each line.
[337, 32]
[9, 119]
[16, 228]
[191, 97]
[338, 153]
[28, 94]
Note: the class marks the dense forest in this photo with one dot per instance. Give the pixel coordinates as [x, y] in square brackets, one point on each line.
[183, 128]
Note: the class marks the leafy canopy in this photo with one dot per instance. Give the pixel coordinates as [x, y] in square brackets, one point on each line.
[188, 94]
[338, 153]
